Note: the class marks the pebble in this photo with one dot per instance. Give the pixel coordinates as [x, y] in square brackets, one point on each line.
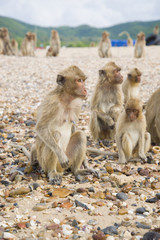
[121, 196]
[141, 225]
[110, 230]
[151, 236]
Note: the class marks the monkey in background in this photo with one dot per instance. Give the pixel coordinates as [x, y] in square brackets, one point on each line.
[156, 30]
[153, 116]
[29, 44]
[104, 49]
[5, 45]
[129, 39]
[14, 45]
[58, 145]
[131, 85]
[107, 102]
[139, 49]
[55, 44]
[131, 137]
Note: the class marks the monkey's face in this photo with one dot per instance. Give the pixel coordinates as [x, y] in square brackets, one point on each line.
[132, 114]
[80, 90]
[117, 77]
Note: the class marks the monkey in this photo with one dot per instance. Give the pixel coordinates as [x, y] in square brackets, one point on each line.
[1, 46]
[132, 139]
[58, 144]
[104, 49]
[153, 116]
[139, 49]
[14, 45]
[156, 30]
[6, 48]
[131, 85]
[28, 44]
[129, 39]
[55, 44]
[106, 103]
[92, 44]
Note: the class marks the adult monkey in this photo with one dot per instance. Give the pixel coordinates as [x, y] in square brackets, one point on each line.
[58, 145]
[107, 102]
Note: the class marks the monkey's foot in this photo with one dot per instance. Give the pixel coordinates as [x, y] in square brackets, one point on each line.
[87, 172]
[56, 180]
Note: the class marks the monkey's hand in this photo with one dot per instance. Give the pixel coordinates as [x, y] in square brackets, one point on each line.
[110, 122]
[142, 156]
[63, 160]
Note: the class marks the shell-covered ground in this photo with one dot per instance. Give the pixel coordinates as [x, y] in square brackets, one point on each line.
[124, 203]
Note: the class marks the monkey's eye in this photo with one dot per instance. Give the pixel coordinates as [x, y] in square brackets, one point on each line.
[79, 80]
[135, 110]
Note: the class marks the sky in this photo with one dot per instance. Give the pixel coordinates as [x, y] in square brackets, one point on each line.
[96, 13]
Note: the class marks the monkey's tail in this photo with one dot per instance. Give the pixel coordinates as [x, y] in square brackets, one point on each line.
[124, 33]
[19, 147]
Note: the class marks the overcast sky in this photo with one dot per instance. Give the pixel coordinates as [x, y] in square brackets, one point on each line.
[97, 13]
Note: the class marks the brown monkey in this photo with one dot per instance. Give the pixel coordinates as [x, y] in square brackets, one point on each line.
[58, 146]
[131, 85]
[5, 42]
[55, 44]
[107, 102]
[129, 39]
[29, 44]
[153, 116]
[139, 49]
[104, 49]
[14, 45]
[1, 46]
[131, 135]
[156, 30]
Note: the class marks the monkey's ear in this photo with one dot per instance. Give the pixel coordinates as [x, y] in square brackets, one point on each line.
[102, 73]
[60, 80]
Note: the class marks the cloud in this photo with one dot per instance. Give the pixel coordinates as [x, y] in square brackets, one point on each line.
[98, 13]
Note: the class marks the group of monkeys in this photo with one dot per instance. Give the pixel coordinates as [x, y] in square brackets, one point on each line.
[116, 114]
[28, 44]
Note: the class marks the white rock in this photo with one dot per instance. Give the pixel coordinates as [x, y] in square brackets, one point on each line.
[8, 235]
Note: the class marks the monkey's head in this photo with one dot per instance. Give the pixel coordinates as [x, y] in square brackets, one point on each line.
[133, 109]
[30, 36]
[134, 76]
[110, 73]
[72, 82]
[4, 33]
[54, 34]
[141, 36]
[105, 35]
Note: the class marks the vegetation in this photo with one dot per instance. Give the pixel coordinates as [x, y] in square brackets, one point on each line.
[80, 36]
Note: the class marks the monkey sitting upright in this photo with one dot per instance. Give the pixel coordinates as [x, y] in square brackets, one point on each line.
[131, 137]
[58, 146]
[107, 102]
[139, 48]
[104, 49]
[131, 85]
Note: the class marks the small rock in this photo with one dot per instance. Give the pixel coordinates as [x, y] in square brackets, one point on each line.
[110, 230]
[79, 204]
[122, 211]
[39, 207]
[121, 196]
[151, 236]
[140, 210]
[19, 191]
[143, 226]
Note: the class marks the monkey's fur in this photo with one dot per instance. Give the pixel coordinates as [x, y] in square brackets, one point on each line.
[5, 45]
[55, 44]
[131, 137]
[29, 44]
[131, 85]
[104, 49]
[58, 146]
[153, 116]
[107, 102]
[139, 48]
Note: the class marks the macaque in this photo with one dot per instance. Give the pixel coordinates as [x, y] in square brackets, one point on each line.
[92, 44]
[153, 116]
[14, 45]
[58, 145]
[129, 39]
[28, 45]
[5, 47]
[104, 49]
[131, 137]
[107, 102]
[55, 44]
[139, 49]
[156, 30]
[1, 46]
[131, 85]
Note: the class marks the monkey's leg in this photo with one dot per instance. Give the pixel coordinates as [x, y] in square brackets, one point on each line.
[34, 161]
[125, 148]
[147, 142]
[76, 151]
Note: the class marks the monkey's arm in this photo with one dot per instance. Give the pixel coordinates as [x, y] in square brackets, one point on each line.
[47, 136]
[141, 146]
[105, 117]
[122, 158]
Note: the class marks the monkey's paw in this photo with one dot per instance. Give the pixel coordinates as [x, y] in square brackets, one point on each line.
[57, 180]
[122, 161]
[64, 162]
[143, 157]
